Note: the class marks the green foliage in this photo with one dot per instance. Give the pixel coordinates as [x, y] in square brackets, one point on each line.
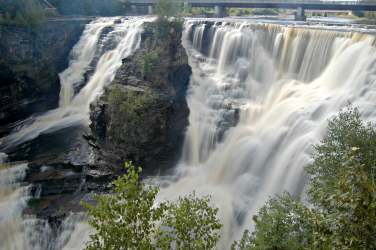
[343, 180]
[168, 8]
[130, 219]
[239, 12]
[249, 11]
[127, 218]
[189, 224]
[186, 9]
[270, 12]
[342, 190]
[91, 7]
[165, 28]
[199, 11]
[130, 108]
[149, 62]
[349, 142]
[27, 13]
[282, 224]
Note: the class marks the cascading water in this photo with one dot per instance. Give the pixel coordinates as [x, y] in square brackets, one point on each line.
[96, 57]
[260, 97]
[107, 52]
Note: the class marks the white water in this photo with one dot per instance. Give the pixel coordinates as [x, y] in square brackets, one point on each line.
[282, 82]
[123, 39]
[103, 45]
[285, 82]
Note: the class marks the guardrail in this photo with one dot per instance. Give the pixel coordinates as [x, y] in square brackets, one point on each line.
[328, 2]
[343, 5]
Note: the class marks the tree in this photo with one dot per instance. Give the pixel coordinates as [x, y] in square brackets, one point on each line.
[282, 224]
[189, 224]
[130, 219]
[168, 8]
[21, 12]
[342, 191]
[125, 219]
[343, 183]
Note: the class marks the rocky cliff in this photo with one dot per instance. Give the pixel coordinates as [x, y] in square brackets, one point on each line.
[30, 60]
[142, 116]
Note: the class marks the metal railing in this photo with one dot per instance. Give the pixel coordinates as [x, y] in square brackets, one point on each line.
[324, 2]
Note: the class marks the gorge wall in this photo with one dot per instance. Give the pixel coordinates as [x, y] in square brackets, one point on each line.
[142, 116]
[260, 95]
[135, 74]
[30, 61]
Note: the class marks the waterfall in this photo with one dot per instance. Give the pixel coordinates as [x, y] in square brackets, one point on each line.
[93, 64]
[260, 97]
[98, 50]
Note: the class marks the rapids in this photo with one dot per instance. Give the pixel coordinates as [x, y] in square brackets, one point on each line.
[98, 51]
[260, 96]
[96, 57]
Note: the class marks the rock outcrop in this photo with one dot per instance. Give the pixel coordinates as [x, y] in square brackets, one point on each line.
[30, 60]
[143, 115]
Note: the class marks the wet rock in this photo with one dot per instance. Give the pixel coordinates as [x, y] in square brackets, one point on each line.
[30, 60]
[143, 115]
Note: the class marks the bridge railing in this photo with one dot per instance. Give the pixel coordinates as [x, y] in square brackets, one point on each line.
[330, 2]
[324, 2]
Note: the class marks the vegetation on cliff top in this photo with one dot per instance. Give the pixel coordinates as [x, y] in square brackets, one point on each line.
[342, 192]
[130, 108]
[168, 8]
[21, 13]
[149, 62]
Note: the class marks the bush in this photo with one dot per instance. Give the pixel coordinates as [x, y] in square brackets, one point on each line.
[150, 61]
[130, 219]
[27, 13]
[168, 8]
[342, 191]
[189, 224]
[130, 108]
[343, 178]
[282, 224]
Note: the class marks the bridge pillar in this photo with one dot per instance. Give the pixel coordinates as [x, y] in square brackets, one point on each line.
[300, 14]
[150, 10]
[220, 11]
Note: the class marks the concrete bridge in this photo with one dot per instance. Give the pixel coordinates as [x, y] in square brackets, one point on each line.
[300, 5]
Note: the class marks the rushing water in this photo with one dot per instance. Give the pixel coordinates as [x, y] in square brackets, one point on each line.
[105, 51]
[260, 97]
[94, 62]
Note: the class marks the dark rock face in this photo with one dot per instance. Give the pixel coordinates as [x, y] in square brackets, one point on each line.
[30, 60]
[143, 115]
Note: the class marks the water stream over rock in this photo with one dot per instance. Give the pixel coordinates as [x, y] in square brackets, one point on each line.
[94, 62]
[260, 96]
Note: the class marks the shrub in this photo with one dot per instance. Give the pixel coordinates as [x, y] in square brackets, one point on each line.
[130, 108]
[168, 8]
[342, 191]
[27, 13]
[130, 218]
[149, 62]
